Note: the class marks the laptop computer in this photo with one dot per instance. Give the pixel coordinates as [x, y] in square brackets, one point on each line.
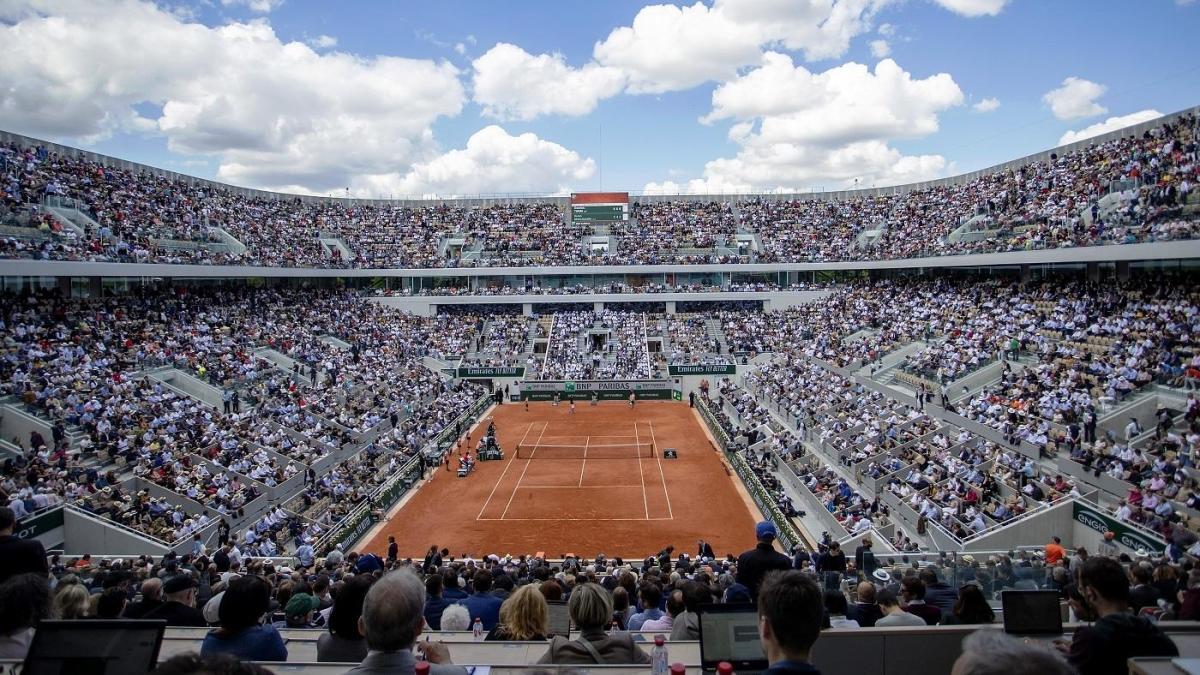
[560, 618]
[729, 632]
[118, 647]
[1031, 612]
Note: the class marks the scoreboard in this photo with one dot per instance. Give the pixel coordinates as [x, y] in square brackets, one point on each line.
[599, 213]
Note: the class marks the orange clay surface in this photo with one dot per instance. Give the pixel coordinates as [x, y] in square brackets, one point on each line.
[625, 506]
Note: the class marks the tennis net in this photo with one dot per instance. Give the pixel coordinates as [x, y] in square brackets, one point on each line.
[599, 451]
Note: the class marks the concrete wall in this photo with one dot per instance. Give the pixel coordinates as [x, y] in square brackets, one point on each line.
[1057, 521]
[189, 385]
[1166, 250]
[15, 422]
[86, 533]
[426, 305]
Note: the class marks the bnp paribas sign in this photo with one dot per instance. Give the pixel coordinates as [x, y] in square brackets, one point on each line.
[1125, 535]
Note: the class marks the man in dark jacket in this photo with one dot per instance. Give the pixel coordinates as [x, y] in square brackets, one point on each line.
[913, 591]
[1143, 594]
[18, 556]
[755, 563]
[179, 606]
[789, 622]
[865, 611]
[1117, 635]
[937, 593]
[151, 599]
[435, 604]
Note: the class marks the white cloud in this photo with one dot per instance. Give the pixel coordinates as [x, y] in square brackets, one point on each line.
[974, 8]
[987, 105]
[460, 48]
[492, 161]
[260, 6]
[797, 128]
[510, 83]
[880, 48]
[1110, 124]
[323, 42]
[887, 29]
[272, 113]
[1075, 98]
[671, 48]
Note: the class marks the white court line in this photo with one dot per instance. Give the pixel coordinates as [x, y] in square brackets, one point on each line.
[522, 476]
[506, 466]
[645, 500]
[591, 520]
[658, 456]
[587, 443]
[572, 487]
[583, 465]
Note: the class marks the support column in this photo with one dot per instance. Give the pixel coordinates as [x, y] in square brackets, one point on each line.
[1123, 270]
[598, 306]
[1093, 272]
[670, 307]
[527, 309]
[1026, 274]
[64, 286]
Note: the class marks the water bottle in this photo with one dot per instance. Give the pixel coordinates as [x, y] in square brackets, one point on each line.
[477, 630]
[658, 656]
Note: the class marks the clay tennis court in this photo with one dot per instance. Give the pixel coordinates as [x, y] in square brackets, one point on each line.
[592, 482]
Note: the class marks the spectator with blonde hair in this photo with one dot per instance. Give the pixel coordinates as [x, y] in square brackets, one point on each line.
[524, 616]
[72, 601]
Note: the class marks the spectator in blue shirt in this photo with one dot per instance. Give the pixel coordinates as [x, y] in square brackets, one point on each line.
[482, 604]
[241, 633]
[651, 596]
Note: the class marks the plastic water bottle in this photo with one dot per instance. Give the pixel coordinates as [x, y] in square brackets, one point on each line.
[658, 656]
[477, 630]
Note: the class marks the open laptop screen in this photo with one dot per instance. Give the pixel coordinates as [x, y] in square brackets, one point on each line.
[1031, 612]
[560, 618]
[730, 633]
[94, 647]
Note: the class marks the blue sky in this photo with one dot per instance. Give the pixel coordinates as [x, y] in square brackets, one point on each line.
[304, 95]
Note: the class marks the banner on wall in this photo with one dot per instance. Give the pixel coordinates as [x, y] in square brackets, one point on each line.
[1129, 537]
[604, 390]
[703, 369]
[487, 373]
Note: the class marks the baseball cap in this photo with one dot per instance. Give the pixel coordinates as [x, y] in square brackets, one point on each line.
[765, 530]
[301, 604]
[212, 608]
[177, 583]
